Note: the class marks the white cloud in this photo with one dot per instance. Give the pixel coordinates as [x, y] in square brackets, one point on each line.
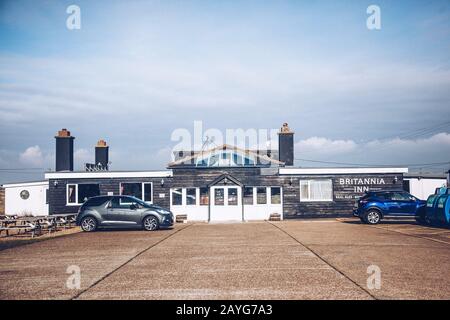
[32, 156]
[397, 151]
[324, 146]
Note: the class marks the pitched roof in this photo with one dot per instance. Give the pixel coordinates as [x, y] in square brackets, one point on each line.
[225, 147]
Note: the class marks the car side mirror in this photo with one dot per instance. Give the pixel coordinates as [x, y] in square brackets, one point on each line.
[133, 207]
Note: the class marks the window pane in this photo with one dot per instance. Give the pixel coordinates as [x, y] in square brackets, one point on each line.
[132, 189]
[191, 197]
[176, 197]
[248, 195]
[316, 190]
[86, 191]
[71, 195]
[232, 196]
[304, 190]
[275, 195]
[398, 196]
[218, 197]
[204, 196]
[148, 192]
[261, 195]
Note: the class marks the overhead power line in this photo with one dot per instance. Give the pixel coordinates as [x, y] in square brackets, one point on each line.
[366, 164]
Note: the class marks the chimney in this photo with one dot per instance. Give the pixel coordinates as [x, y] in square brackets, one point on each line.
[101, 154]
[286, 145]
[64, 151]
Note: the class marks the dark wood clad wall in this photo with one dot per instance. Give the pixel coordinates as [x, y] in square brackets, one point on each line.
[344, 195]
[346, 188]
[2, 200]
[57, 194]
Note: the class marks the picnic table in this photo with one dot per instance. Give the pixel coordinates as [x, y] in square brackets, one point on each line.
[36, 223]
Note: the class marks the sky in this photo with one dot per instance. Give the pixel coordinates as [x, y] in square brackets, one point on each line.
[137, 71]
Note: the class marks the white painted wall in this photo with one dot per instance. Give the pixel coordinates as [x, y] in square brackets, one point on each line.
[194, 212]
[422, 188]
[35, 205]
[262, 211]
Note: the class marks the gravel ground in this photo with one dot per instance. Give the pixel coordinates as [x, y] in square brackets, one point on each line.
[303, 259]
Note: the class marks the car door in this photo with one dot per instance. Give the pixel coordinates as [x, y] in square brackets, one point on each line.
[120, 212]
[114, 212]
[132, 212]
[408, 204]
[391, 203]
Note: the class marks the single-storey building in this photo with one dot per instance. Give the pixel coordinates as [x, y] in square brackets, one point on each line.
[216, 184]
[223, 183]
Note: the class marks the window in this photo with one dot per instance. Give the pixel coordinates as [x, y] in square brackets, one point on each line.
[177, 197]
[316, 190]
[204, 196]
[191, 196]
[399, 196]
[131, 189]
[80, 193]
[261, 195]
[148, 192]
[248, 195]
[72, 193]
[140, 190]
[232, 196]
[275, 195]
[219, 197]
[86, 191]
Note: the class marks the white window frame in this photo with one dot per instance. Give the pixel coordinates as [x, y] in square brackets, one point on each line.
[77, 201]
[309, 190]
[197, 196]
[76, 195]
[142, 190]
[269, 194]
[253, 196]
[183, 196]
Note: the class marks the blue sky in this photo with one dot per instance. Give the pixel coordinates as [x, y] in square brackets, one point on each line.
[138, 70]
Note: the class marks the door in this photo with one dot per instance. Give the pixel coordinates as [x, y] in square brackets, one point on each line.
[392, 204]
[407, 204]
[226, 203]
[120, 212]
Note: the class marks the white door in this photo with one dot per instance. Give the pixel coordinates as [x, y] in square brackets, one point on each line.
[226, 203]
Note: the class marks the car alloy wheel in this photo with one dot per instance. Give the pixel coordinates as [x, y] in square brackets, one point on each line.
[373, 217]
[151, 223]
[88, 224]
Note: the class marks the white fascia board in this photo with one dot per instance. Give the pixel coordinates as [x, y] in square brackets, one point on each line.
[108, 174]
[313, 171]
[25, 184]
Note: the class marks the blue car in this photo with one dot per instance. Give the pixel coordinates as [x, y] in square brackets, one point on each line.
[376, 205]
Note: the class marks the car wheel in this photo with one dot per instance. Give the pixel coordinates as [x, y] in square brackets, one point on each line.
[88, 224]
[151, 223]
[372, 217]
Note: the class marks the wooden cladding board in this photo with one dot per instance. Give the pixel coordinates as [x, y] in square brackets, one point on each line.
[346, 188]
[2, 201]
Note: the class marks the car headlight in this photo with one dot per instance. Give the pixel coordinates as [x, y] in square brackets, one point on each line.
[162, 211]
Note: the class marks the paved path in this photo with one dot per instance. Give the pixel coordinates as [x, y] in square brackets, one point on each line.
[312, 259]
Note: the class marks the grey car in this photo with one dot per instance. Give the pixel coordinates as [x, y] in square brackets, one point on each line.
[122, 211]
